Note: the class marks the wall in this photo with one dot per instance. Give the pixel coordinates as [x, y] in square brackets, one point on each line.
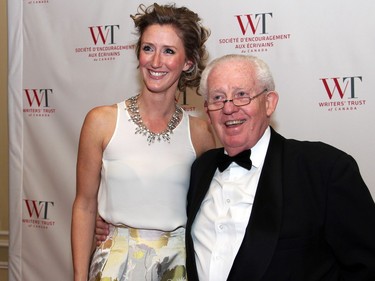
[322, 62]
[3, 143]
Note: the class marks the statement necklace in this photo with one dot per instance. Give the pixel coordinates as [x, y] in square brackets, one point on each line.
[143, 130]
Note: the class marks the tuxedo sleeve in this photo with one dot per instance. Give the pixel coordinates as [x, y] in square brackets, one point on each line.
[350, 220]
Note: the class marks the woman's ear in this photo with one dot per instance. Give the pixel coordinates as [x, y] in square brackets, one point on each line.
[188, 64]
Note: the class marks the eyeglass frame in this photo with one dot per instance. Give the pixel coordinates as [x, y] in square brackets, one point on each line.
[206, 104]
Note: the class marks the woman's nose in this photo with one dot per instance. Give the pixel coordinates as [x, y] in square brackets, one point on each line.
[156, 61]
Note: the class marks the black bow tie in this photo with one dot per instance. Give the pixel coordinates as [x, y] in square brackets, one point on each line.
[242, 159]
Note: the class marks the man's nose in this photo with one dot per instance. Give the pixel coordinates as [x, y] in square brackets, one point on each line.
[229, 107]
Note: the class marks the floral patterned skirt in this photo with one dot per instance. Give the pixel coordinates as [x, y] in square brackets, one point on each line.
[139, 254]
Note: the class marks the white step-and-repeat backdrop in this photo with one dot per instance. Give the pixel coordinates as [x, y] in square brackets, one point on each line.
[66, 57]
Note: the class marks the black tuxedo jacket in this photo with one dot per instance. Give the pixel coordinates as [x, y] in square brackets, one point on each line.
[313, 217]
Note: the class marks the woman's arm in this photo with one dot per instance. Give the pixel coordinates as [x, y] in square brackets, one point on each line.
[95, 134]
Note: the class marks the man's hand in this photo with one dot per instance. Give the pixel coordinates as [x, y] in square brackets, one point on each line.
[101, 230]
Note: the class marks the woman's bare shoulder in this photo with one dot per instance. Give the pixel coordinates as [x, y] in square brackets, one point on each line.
[202, 135]
[100, 123]
[102, 113]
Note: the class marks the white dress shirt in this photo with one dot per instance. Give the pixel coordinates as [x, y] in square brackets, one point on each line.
[220, 224]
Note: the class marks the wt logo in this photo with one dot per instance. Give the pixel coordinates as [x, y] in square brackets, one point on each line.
[181, 99]
[38, 96]
[257, 23]
[105, 33]
[184, 98]
[38, 209]
[342, 85]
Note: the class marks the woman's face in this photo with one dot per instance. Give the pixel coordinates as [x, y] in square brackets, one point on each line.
[162, 58]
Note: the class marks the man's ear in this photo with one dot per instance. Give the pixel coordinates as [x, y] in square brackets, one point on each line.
[272, 99]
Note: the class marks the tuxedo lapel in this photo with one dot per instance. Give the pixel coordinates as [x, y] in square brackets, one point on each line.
[263, 230]
[202, 172]
[200, 181]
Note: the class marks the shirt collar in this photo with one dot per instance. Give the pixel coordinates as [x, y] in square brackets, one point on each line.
[259, 151]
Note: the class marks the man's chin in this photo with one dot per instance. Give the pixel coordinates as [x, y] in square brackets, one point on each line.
[234, 144]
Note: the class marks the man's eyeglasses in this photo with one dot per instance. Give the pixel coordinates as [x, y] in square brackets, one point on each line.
[237, 101]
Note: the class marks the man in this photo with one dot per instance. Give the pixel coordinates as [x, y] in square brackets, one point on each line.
[302, 212]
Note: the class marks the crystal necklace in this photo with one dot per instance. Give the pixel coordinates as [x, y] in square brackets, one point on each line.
[143, 130]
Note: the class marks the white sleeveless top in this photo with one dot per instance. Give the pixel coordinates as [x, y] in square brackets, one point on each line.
[145, 186]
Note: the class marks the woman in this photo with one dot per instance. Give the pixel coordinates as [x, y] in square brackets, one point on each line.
[134, 158]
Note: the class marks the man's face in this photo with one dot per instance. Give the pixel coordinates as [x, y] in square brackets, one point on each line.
[239, 127]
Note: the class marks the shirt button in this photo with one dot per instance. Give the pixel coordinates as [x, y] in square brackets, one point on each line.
[228, 201]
